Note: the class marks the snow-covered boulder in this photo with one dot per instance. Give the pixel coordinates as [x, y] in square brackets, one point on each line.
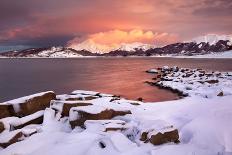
[29, 104]
[159, 132]
[78, 115]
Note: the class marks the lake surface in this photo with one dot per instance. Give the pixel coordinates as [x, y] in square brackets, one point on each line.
[119, 76]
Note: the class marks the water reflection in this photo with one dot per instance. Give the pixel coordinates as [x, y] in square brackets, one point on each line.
[120, 76]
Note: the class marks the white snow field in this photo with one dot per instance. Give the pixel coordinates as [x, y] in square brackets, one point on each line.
[203, 120]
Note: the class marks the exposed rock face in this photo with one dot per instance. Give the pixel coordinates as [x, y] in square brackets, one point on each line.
[67, 107]
[161, 138]
[103, 115]
[33, 104]
[6, 110]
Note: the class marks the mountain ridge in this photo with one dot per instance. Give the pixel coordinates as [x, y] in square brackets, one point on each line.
[200, 46]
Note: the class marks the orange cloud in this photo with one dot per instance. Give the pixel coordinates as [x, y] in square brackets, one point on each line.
[111, 40]
[118, 36]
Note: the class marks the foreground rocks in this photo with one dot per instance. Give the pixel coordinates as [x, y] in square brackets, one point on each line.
[86, 110]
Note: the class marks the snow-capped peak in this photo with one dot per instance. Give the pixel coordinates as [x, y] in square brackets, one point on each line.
[93, 47]
[212, 38]
[135, 46]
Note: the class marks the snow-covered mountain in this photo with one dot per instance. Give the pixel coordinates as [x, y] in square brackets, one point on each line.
[212, 39]
[200, 46]
[93, 47]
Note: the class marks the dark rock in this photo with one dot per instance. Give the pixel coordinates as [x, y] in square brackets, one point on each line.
[140, 99]
[67, 107]
[212, 81]
[220, 94]
[6, 110]
[161, 138]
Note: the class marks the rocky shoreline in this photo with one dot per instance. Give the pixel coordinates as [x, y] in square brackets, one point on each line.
[97, 123]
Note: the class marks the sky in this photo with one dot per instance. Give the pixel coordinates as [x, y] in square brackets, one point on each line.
[42, 23]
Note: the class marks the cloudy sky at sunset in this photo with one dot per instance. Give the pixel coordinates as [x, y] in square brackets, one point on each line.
[57, 22]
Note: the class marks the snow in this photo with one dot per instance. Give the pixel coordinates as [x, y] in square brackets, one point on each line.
[59, 52]
[152, 71]
[212, 38]
[204, 124]
[28, 118]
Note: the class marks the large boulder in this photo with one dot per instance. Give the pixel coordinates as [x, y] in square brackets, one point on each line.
[78, 115]
[165, 137]
[159, 133]
[30, 104]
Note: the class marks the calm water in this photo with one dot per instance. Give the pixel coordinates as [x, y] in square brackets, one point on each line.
[120, 76]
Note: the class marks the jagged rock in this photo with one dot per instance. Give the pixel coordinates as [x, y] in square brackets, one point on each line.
[78, 115]
[30, 104]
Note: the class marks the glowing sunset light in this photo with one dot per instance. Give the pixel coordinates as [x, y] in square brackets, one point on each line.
[109, 23]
